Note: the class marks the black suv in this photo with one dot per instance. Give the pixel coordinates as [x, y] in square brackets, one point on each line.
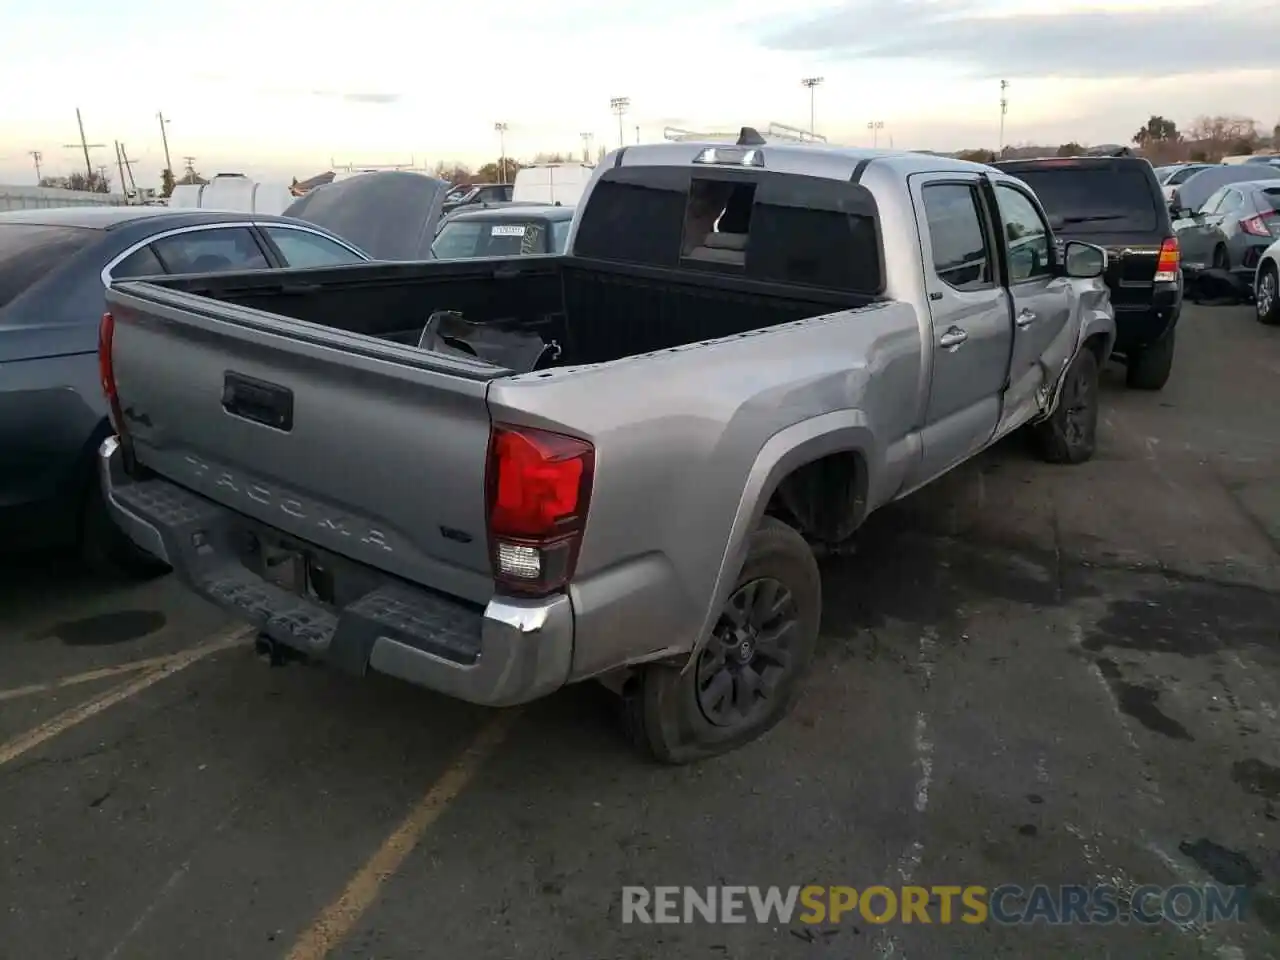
[1116, 203]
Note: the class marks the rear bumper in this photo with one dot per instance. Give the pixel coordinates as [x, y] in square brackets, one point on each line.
[508, 652]
[1138, 325]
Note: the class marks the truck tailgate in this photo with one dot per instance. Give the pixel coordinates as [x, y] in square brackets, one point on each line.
[303, 428]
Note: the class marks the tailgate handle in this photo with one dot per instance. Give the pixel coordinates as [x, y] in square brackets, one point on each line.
[266, 403]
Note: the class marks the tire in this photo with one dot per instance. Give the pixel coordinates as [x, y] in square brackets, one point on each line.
[1071, 433]
[673, 715]
[107, 550]
[1266, 296]
[1150, 369]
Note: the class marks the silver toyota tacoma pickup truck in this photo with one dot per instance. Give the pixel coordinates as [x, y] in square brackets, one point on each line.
[496, 477]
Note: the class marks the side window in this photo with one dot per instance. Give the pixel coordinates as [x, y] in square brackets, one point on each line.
[140, 263]
[560, 235]
[216, 250]
[1231, 202]
[1026, 236]
[1215, 200]
[961, 252]
[301, 248]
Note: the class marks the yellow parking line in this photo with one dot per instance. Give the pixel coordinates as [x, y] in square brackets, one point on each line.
[76, 715]
[88, 676]
[333, 924]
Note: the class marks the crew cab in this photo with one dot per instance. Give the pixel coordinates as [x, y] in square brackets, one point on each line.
[494, 477]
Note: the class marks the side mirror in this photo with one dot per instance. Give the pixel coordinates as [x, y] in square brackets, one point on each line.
[1084, 260]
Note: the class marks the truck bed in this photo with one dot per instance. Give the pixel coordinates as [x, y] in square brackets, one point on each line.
[594, 311]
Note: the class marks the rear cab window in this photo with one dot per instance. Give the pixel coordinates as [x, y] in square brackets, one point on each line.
[1087, 197]
[788, 229]
[30, 252]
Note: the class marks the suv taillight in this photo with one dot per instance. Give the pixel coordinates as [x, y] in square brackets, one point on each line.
[537, 489]
[1167, 265]
[1257, 226]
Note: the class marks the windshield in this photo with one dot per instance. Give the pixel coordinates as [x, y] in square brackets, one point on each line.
[1102, 198]
[489, 238]
[29, 252]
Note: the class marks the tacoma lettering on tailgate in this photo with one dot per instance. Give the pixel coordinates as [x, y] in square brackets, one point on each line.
[310, 512]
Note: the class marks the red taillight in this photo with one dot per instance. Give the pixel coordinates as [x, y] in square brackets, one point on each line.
[106, 371]
[1256, 226]
[1168, 264]
[538, 489]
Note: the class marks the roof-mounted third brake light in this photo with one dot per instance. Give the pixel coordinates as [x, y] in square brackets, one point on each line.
[733, 156]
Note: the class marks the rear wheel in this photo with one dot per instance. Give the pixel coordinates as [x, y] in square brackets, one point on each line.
[1070, 434]
[107, 549]
[1149, 369]
[748, 675]
[1266, 299]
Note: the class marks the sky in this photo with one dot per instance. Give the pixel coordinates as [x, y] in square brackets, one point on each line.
[281, 89]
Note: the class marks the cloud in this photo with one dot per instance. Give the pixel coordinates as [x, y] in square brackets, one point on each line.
[1150, 42]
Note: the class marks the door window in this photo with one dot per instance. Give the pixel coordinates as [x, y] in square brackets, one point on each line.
[961, 252]
[140, 263]
[1026, 236]
[216, 250]
[302, 248]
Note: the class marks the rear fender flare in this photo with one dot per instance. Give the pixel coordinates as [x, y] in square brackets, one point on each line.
[792, 447]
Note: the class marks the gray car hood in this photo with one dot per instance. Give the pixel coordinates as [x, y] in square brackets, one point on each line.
[389, 215]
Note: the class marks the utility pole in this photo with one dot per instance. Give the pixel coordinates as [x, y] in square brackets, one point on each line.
[637, 133]
[190, 174]
[164, 138]
[86, 147]
[875, 126]
[620, 105]
[124, 184]
[128, 166]
[1004, 108]
[501, 128]
[586, 146]
[37, 156]
[812, 84]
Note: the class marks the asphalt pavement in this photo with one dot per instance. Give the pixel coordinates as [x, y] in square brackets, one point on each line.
[1028, 675]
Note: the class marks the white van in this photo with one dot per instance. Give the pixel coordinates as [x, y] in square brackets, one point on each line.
[234, 192]
[552, 183]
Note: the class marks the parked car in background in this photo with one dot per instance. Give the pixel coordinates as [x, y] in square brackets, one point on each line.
[469, 193]
[503, 231]
[54, 268]
[1173, 176]
[1266, 286]
[1116, 202]
[1232, 229]
[1191, 194]
[747, 348]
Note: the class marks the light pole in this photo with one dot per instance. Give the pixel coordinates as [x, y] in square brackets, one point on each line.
[620, 105]
[1004, 108]
[811, 83]
[164, 138]
[501, 128]
[875, 126]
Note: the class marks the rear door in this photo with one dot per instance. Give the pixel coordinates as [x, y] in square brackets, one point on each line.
[1041, 306]
[969, 312]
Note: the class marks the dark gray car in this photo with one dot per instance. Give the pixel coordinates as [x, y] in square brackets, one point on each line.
[54, 267]
[1233, 227]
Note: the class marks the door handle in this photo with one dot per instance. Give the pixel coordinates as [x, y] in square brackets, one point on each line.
[952, 338]
[1024, 319]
